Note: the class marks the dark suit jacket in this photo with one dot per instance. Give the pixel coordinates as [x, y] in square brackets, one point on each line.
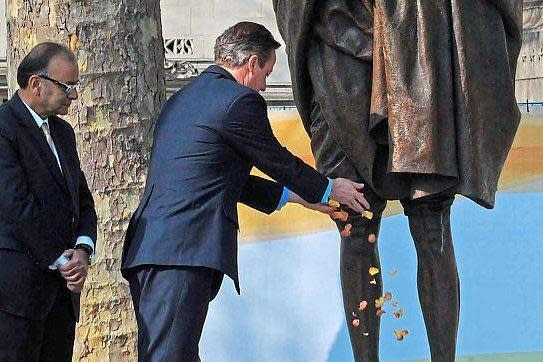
[42, 211]
[208, 137]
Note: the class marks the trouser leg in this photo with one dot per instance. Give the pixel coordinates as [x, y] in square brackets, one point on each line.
[59, 330]
[20, 339]
[50, 339]
[171, 305]
[437, 275]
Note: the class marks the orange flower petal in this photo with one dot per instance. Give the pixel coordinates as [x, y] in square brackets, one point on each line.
[372, 238]
[399, 313]
[401, 334]
[380, 312]
[395, 304]
[340, 215]
[394, 272]
[333, 203]
[363, 304]
[356, 323]
[345, 233]
[388, 296]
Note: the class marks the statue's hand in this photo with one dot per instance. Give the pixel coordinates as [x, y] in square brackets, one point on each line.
[346, 192]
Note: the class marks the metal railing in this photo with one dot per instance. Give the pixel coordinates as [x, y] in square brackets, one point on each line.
[531, 107]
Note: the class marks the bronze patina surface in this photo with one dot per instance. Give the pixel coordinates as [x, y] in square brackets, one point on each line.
[416, 99]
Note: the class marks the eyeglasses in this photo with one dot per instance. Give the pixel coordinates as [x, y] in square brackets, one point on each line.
[68, 88]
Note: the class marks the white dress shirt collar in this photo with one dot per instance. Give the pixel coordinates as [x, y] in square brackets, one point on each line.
[39, 121]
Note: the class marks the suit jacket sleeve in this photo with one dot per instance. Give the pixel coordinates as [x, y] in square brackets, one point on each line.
[22, 212]
[261, 194]
[247, 129]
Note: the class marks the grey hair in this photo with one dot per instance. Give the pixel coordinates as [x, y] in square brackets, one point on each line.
[235, 46]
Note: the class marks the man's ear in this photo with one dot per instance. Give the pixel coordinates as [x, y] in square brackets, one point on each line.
[34, 84]
[253, 62]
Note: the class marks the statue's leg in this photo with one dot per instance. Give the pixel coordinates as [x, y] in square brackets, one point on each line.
[357, 256]
[438, 283]
[357, 253]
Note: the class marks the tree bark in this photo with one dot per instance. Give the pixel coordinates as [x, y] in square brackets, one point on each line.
[119, 47]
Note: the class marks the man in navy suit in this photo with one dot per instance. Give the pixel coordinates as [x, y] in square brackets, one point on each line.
[47, 216]
[183, 236]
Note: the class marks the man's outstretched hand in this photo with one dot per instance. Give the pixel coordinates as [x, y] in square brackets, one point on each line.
[347, 192]
[324, 208]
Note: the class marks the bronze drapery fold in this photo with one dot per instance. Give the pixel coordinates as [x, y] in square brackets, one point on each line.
[417, 96]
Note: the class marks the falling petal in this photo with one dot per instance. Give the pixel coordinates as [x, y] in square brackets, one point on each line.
[372, 238]
[398, 314]
[365, 334]
[380, 312]
[373, 271]
[401, 334]
[388, 296]
[347, 230]
[395, 304]
[333, 203]
[379, 302]
[354, 314]
[356, 323]
[340, 215]
[394, 272]
[373, 282]
[368, 214]
[363, 305]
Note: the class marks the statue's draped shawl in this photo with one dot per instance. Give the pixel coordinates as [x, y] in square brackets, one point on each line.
[419, 95]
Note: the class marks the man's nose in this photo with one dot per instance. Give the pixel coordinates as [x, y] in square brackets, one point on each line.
[73, 95]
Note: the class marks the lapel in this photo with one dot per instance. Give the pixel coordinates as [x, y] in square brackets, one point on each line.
[24, 117]
[63, 149]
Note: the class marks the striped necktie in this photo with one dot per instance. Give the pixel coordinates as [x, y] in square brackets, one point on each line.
[47, 133]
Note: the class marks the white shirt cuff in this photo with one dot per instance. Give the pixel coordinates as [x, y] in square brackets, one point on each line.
[85, 240]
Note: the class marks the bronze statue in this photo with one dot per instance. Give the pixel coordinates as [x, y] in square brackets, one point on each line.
[416, 100]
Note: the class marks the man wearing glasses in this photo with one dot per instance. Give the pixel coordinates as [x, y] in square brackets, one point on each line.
[47, 216]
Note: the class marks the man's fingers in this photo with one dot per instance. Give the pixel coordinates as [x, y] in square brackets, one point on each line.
[69, 268]
[75, 277]
[74, 287]
[71, 274]
[73, 271]
[358, 186]
[355, 206]
[362, 200]
[77, 285]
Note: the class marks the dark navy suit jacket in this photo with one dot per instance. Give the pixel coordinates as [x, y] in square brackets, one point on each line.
[42, 211]
[207, 139]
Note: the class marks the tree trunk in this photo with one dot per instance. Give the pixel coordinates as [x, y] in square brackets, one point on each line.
[119, 47]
